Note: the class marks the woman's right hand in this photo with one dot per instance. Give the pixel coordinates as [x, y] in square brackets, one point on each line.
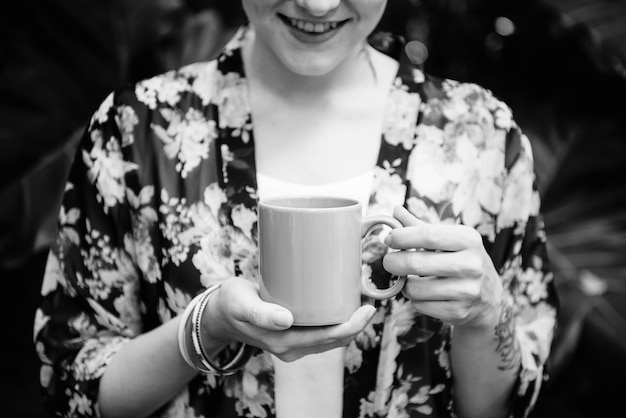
[237, 313]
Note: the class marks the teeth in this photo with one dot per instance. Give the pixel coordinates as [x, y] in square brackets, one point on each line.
[313, 27]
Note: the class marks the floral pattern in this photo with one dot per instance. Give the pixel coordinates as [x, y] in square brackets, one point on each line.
[161, 203]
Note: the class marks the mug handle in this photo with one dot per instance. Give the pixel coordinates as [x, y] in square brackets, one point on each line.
[368, 288]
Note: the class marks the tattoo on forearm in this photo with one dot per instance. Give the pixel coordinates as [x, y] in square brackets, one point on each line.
[505, 336]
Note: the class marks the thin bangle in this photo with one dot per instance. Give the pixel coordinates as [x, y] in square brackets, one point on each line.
[235, 363]
[199, 359]
[182, 333]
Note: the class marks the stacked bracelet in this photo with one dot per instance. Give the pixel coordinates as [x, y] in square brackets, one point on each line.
[190, 339]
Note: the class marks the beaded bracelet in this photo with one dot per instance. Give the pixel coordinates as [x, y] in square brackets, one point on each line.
[189, 335]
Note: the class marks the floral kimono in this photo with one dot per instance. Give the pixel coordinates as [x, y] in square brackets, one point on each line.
[161, 203]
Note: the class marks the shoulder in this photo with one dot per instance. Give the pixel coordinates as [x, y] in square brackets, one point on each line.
[444, 101]
[451, 100]
[466, 111]
[192, 88]
[196, 84]
[471, 111]
[467, 124]
[175, 88]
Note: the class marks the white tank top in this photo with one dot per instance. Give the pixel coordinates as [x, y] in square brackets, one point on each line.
[357, 188]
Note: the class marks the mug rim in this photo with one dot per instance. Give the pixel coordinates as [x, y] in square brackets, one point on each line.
[279, 203]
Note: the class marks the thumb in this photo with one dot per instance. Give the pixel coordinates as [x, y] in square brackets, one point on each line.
[256, 312]
[279, 318]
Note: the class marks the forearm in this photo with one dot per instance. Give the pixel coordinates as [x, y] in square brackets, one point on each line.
[485, 365]
[145, 374]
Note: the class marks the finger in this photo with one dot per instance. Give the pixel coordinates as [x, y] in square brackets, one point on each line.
[297, 342]
[449, 312]
[358, 321]
[334, 335]
[434, 237]
[432, 288]
[429, 263]
[420, 234]
[405, 217]
[248, 307]
[316, 349]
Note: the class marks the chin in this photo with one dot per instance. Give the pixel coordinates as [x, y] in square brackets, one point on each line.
[311, 67]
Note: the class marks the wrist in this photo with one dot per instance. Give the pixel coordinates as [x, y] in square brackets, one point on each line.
[214, 325]
[192, 338]
[494, 326]
[489, 308]
[483, 323]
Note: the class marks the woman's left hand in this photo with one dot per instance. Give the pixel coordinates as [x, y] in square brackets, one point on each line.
[450, 274]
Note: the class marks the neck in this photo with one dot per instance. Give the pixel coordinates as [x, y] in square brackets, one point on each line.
[265, 70]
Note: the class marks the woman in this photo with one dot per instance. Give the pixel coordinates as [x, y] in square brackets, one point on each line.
[161, 205]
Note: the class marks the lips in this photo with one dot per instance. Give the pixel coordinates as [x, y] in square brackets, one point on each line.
[310, 27]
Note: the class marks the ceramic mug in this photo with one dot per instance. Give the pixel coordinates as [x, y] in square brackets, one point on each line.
[310, 257]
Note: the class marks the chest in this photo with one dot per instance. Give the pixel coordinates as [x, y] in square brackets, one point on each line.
[317, 143]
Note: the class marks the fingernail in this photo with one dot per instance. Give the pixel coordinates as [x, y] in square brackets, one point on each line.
[281, 319]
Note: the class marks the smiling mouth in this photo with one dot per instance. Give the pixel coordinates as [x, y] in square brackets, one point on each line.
[312, 28]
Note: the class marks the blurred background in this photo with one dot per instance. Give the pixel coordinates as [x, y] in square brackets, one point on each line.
[560, 65]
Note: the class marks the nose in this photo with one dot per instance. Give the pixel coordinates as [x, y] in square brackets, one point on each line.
[318, 7]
